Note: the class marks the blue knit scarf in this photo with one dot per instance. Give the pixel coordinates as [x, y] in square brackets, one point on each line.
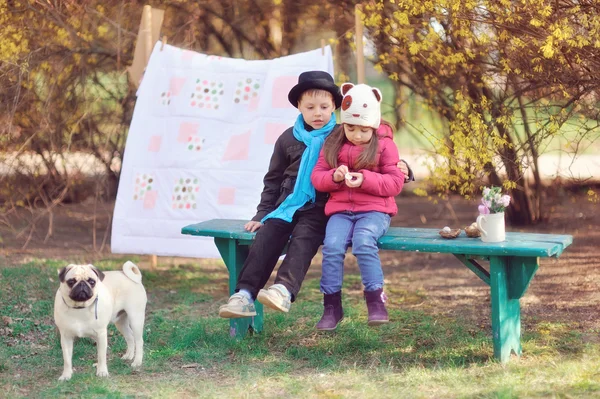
[304, 191]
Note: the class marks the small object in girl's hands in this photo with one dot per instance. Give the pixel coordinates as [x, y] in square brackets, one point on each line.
[450, 233]
[348, 176]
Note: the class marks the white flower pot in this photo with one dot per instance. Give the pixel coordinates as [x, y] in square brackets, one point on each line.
[491, 227]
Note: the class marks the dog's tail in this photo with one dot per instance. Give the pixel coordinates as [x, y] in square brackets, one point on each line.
[133, 272]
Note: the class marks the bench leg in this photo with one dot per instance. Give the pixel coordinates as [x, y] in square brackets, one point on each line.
[506, 311]
[234, 256]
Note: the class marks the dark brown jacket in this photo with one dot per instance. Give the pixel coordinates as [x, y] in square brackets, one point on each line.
[281, 177]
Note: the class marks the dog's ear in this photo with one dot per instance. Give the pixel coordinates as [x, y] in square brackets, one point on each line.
[62, 273]
[98, 272]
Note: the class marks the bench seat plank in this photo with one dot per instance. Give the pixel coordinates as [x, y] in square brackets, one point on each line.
[417, 239]
[220, 228]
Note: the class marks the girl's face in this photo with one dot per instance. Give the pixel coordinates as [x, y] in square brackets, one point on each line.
[316, 109]
[358, 135]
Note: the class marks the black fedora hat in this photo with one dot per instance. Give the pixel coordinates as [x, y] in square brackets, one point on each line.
[315, 80]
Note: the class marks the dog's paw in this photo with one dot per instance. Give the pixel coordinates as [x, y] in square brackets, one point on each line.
[65, 377]
[102, 373]
[136, 364]
[128, 355]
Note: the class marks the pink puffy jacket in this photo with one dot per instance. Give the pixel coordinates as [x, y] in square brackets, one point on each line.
[381, 183]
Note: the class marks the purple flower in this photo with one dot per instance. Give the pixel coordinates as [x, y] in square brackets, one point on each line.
[505, 200]
[484, 210]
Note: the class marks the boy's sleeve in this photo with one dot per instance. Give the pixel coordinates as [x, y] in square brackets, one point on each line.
[272, 182]
[388, 182]
[322, 176]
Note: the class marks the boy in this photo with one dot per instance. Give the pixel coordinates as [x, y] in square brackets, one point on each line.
[289, 208]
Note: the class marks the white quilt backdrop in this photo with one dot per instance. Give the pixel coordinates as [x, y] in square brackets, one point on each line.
[199, 144]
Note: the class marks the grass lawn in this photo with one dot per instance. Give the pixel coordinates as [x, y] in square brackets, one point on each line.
[188, 352]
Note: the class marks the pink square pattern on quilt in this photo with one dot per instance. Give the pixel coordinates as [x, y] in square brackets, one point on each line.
[281, 87]
[154, 144]
[238, 148]
[226, 196]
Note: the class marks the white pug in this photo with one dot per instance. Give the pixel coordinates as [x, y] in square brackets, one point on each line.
[88, 299]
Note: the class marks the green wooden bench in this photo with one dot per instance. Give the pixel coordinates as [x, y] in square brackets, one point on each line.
[512, 265]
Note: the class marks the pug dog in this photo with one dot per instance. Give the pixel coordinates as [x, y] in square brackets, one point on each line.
[88, 299]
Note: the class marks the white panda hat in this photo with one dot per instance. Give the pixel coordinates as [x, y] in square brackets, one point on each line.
[361, 105]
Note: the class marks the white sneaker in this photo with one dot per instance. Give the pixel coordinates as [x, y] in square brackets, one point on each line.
[238, 305]
[275, 297]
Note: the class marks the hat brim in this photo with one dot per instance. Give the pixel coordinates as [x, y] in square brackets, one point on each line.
[320, 84]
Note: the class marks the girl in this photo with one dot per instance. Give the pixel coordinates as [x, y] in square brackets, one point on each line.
[357, 166]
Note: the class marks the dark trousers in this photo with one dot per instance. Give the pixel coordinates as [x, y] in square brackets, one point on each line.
[307, 231]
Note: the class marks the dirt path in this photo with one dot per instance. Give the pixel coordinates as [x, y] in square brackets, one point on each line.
[565, 290]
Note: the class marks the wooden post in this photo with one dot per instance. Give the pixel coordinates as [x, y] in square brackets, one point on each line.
[146, 39]
[360, 58]
[147, 32]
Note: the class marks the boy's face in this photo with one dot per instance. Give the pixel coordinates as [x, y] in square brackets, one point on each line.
[316, 108]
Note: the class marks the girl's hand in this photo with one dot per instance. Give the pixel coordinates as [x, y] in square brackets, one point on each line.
[252, 226]
[357, 180]
[340, 173]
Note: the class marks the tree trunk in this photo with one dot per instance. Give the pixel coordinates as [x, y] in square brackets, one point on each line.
[342, 50]
[533, 150]
[112, 184]
[522, 210]
[290, 11]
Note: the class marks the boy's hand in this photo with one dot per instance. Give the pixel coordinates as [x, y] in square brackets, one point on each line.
[402, 166]
[340, 173]
[357, 180]
[252, 226]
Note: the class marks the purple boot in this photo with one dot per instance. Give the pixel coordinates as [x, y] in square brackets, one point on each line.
[332, 312]
[376, 307]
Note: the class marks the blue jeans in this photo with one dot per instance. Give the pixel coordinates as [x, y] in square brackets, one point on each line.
[361, 230]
